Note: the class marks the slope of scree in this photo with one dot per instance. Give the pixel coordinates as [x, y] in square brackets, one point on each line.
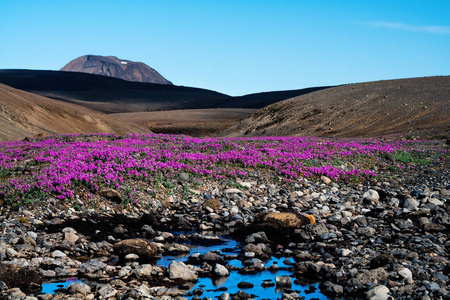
[115, 67]
[404, 106]
[25, 114]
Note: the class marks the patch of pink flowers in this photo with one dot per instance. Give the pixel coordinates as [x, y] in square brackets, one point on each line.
[60, 164]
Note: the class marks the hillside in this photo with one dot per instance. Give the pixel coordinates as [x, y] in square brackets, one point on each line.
[115, 67]
[405, 106]
[107, 94]
[24, 114]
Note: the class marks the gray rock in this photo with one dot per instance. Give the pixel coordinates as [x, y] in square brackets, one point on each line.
[179, 271]
[371, 195]
[58, 253]
[78, 288]
[405, 273]
[283, 281]
[257, 237]
[224, 296]
[212, 257]
[411, 204]
[313, 231]
[92, 266]
[221, 270]
[432, 286]
[107, 291]
[378, 293]
[366, 231]
[143, 270]
[184, 176]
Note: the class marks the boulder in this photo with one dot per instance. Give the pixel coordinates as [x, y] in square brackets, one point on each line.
[14, 276]
[283, 281]
[179, 271]
[282, 219]
[143, 248]
[220, 270]
[78, 288]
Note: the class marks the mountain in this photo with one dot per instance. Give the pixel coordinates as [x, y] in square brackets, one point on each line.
[417, 106]
[25, 114]
[112, 66]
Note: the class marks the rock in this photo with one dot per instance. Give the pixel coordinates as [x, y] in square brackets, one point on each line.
[229, 192]
[58, 254]
[220, 270]
[143, 271]
[107, 291]
[282, 220]
[143, 248]
[3, 286]
[92, 266]
[212, 257]
[78, 288]
[405, 273]
[131, 257]
[14, 276]
[371, 196]
[345, 252]
[257, 237]
[410, 204]
[179, 271]
[313, 231]
[71, 237]
[184, 176]
[378, 293]
[325, 179]
[112, 195]
[381, 261]
[372, 276]
[366, 231]
[435, 201]
[432, 227]
[283, 281]
[224, 296]
[245, 285]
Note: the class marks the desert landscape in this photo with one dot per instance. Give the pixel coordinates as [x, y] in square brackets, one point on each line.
[113, 189]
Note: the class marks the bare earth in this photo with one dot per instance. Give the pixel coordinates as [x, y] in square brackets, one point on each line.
[194, 122]
[24, 114]
[417, 106]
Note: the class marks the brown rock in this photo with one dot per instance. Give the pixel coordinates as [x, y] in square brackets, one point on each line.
[24, 278]
[143, 248]
[284, 220]
[112, 195]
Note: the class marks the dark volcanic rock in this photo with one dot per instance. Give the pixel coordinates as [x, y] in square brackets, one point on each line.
[115, 67]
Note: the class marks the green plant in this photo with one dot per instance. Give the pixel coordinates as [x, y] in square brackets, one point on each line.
[235, 184]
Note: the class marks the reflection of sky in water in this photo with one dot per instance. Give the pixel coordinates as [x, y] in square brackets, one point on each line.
[50, 288]
[209, 285]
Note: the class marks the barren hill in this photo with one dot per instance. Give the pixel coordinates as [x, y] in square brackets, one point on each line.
[24, 114]
[416, 106]
[115, 67]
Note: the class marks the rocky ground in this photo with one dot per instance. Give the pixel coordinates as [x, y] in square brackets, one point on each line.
[381, 239]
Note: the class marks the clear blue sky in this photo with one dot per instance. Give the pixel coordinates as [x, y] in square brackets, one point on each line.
[235, 46]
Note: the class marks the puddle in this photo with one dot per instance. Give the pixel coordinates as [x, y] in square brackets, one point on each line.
[50, 288]
[232, 247]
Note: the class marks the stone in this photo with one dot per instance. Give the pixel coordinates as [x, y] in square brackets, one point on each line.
[372, 276]
[92, 266]
[14, 276]
[257, 237]
[224, 296]
[58, 254]
[212, 257]
[378, 293]
[432, 227]
[366, 231]
[143, 248]
[371, 196]
[131, 257]
[220, 270]
[325, 179]
[245, 285]
[143, 270]
[112, 195]
[410, 204]
[313, 231]
[282, 220]
[78, 288]
[107, 291]
[345, 252]
[405, 273]
[179, 271]
[71, 237]
[184, 176]
[283, 281]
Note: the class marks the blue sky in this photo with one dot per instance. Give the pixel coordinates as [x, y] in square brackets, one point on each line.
[235, 47]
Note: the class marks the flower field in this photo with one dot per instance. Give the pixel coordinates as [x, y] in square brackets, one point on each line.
[63, 165]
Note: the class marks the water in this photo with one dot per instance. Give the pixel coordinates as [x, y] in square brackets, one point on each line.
[50, 288]
[211, 286]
